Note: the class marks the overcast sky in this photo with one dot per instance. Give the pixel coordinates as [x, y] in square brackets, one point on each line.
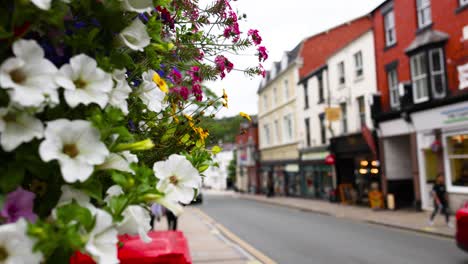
[282, 25]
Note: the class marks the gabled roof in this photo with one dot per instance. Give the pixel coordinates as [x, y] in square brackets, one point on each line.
[318, 48]
[291, 55]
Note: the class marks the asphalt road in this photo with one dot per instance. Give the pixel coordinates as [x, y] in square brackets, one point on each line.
[293, 236]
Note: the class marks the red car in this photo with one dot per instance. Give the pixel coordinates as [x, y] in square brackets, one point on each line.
[461, 235]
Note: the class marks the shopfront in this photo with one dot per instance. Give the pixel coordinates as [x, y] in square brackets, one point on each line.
[443, 148]
[316, 176]
[356, 167]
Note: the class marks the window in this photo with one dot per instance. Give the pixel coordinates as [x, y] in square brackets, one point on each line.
[277, 132]
[275, 95]
[457, 152]
[362, 111]
[463, 2]
[286, 90]
[266, 128]
[393, 88]
[424, 12]
[419, 78]
[306, 96]
[288, 128]
[320, 88]
[341, 73]
[436, 59]
[344, 120]
[358, 64]
[323, 131]
[389, 24]
[265, 102]
[307, 128]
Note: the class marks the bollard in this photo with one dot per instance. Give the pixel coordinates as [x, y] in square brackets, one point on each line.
[390, 201]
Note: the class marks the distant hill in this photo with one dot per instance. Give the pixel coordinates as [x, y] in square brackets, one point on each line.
[225, 129]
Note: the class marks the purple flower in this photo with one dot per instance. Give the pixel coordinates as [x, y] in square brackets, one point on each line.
[262, 53]
[182, 91]
[19, 204]
[255, 36]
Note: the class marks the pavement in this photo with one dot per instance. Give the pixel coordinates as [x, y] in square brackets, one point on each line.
[291, 235]
[211, 243]
[404, 219]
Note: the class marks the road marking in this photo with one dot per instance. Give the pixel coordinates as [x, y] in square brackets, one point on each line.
[244, 245]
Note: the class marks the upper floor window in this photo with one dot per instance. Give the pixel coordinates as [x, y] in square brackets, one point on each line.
[320, 88]
[344, 118]
[341, 73]
[428, 71]
[277, 132]
[307, 130]
[424, 12]
[275, 95]
[286, 90]
[463, 2]
[358, 64]
[306, 96]
[265, 102]
[392, 77]
[390, 32]
[323, 131]
[266, 128]
[288, 127]
[419, 77]
[362, 111]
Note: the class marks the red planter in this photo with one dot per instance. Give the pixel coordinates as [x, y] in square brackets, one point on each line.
[169, 247]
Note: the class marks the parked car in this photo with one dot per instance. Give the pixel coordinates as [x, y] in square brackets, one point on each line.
[461, 234]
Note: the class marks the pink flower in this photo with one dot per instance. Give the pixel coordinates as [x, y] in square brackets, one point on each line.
[262, 53]
[262, 70]
[223, 64]
[197, 91]
[255, 36]
[175, 76]
[194, 72]
[19, 203]
[182, 91]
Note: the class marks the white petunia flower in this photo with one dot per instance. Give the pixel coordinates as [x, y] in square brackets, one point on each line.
[119, 161]
[17, 128]
[177, 178]
[77, 147]
[149, 92]
[136, 221]
[42, 4]
[135, 35]
[84, 82]
[175, 207]
[114, 190]
[138, 6]
[102, 242]
[29, 77]
[119, 94]
[15, 245]
[70, 194]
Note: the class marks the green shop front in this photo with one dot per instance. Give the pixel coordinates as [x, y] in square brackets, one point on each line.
[316, 176]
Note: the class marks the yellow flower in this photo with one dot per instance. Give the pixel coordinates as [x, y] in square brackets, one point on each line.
[160, 82]
[225, 97]
[246, 116]
[225, 104]
[189, 118]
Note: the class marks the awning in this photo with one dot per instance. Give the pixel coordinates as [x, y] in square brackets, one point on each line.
[426, 38]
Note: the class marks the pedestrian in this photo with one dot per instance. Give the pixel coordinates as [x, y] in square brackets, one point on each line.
[171, 220]
[439, 194]
[156, 213]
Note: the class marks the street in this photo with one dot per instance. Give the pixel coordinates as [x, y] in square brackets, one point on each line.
[293, 236]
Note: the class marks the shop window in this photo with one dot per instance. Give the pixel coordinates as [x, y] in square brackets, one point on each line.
[457, 151]
[389, 24]
[424, 13]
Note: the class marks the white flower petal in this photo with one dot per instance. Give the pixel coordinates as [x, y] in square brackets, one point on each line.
[138, 6]
[70, 194]
[23, 129]
[136, 221]
[135, 35]
[42, 4]
[19, 246]
[28, 50]
[102, 243]
[74, 170]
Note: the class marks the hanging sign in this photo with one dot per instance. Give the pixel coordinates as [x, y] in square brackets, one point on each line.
[330, 159]
[332, 114]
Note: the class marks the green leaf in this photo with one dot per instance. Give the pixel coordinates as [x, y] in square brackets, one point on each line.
[117, 204]
[216, 150]
[12, 177]
[74, 212]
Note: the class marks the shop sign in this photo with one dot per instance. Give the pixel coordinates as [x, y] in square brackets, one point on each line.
[332, 114]
[456, 115]
[463, 75]
[315, 155]
[330, 159]
[291, 168]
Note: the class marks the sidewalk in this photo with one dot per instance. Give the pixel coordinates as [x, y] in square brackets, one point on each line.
[209, 242]
[409, 220]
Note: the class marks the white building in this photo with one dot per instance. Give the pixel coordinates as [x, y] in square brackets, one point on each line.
[216, 177]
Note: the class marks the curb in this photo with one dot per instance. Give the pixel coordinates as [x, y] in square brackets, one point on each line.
[416, 230]
[234, 238]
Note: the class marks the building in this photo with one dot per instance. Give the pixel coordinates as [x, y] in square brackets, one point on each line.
[422, 112]
[216, 177]
[319, 89]
[277, 123]
[248, 166]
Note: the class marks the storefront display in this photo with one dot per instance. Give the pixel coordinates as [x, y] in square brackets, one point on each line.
[457, 155]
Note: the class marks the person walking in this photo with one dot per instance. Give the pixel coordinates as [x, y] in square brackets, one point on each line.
[171, 220]
[156, 214]
[439, 194]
